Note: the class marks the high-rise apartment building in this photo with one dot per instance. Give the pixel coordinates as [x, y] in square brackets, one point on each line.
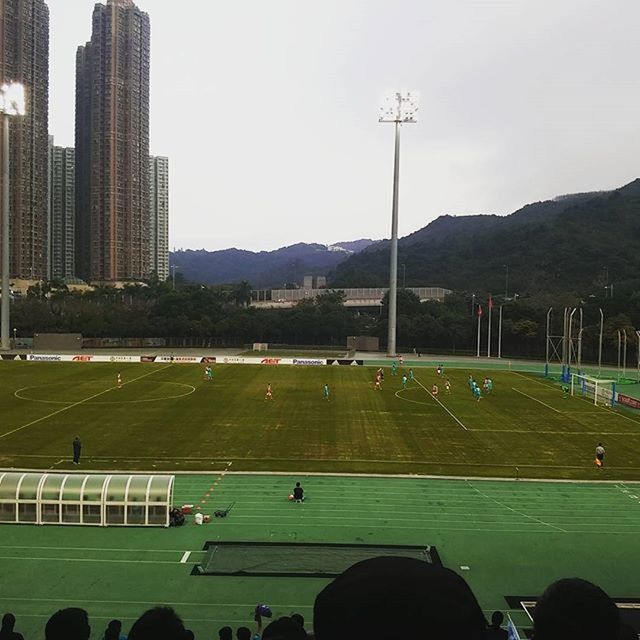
[159, 218]
[24, 57]
[62, 193]
[112, 145]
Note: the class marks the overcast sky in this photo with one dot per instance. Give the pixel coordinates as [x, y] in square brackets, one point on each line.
[268, 110]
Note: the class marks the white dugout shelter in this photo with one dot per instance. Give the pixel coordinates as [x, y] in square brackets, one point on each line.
[85, 499]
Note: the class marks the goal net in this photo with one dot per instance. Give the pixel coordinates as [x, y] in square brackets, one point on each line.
[601, 391]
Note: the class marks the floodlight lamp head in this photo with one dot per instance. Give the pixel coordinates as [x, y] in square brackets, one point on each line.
[399, 106]
[12, 101]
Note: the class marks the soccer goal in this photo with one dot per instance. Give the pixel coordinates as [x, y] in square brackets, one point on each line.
[602, 391]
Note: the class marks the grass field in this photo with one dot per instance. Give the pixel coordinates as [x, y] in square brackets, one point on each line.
[168, 417]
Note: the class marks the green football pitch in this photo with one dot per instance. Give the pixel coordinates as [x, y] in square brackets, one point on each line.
[169, 418]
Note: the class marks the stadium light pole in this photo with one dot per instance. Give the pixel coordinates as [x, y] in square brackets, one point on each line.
[506, 282]
[12, 103]
[600, 342]
[173, 274]
[399, 108]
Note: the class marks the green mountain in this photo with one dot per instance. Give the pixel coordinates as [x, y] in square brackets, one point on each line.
[577, 243]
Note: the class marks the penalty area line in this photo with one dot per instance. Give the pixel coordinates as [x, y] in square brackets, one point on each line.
[75, 404]
[544, 404]
[440, 403]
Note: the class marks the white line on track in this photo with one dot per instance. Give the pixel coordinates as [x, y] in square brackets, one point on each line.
[75, 404]
[128, 561]
[101, 549]
[520, 513]
[440, 403]
[154, 602]
[185, 557]
[522, 393]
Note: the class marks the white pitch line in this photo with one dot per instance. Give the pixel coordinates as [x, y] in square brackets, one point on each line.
[536, 400]
[185, 557]
[75, 404]
[440, 403]
[548, 386]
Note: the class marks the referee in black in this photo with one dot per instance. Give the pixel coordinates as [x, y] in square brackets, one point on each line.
[77, 448]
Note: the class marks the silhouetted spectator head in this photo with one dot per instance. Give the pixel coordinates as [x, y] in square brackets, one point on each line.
[68, 624]
[113, 630]
[297, 617]
[297, 484]
[8, 622]
[397, 598]
[497, 618]
[159, 623]
[189, 635]
[243, 633]
[575, 608]
[225, 633]
[284, 629]
[627, 632]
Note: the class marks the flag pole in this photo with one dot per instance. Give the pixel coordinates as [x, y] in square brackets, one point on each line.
[500, 333]
[489, 328]
[479, 316]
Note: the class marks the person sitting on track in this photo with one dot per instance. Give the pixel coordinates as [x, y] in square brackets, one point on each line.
[298, 493]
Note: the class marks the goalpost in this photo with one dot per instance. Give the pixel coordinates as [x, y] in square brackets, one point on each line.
[602, 391]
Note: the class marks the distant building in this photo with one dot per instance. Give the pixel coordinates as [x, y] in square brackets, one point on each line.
[159, 216]
[62, 193]
[112, 145]
[367, 297]
[24, 57]
[321, 282]
[307, 283]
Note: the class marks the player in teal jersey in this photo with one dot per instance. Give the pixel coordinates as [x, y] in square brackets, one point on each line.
[410, 374]
[404, 382]
[477, 393]
[394, 368]
[325, 392]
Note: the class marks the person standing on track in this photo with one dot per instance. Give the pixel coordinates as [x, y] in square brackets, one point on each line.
[77, 448]
[119, 380]
[599, 456]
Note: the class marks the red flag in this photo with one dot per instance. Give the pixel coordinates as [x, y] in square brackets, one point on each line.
[490, 303]
[479, 310]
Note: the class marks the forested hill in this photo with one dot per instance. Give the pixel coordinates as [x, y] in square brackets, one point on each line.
[263, 268]
[570, 244]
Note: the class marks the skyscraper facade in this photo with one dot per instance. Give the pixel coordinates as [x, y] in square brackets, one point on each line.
[24, 57]
[62, 212]
[112, 145]
[159, 216]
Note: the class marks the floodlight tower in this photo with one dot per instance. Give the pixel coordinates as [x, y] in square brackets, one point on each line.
[12, 103]
[399, 108]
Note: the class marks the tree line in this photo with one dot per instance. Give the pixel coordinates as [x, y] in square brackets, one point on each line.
[224, 314]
